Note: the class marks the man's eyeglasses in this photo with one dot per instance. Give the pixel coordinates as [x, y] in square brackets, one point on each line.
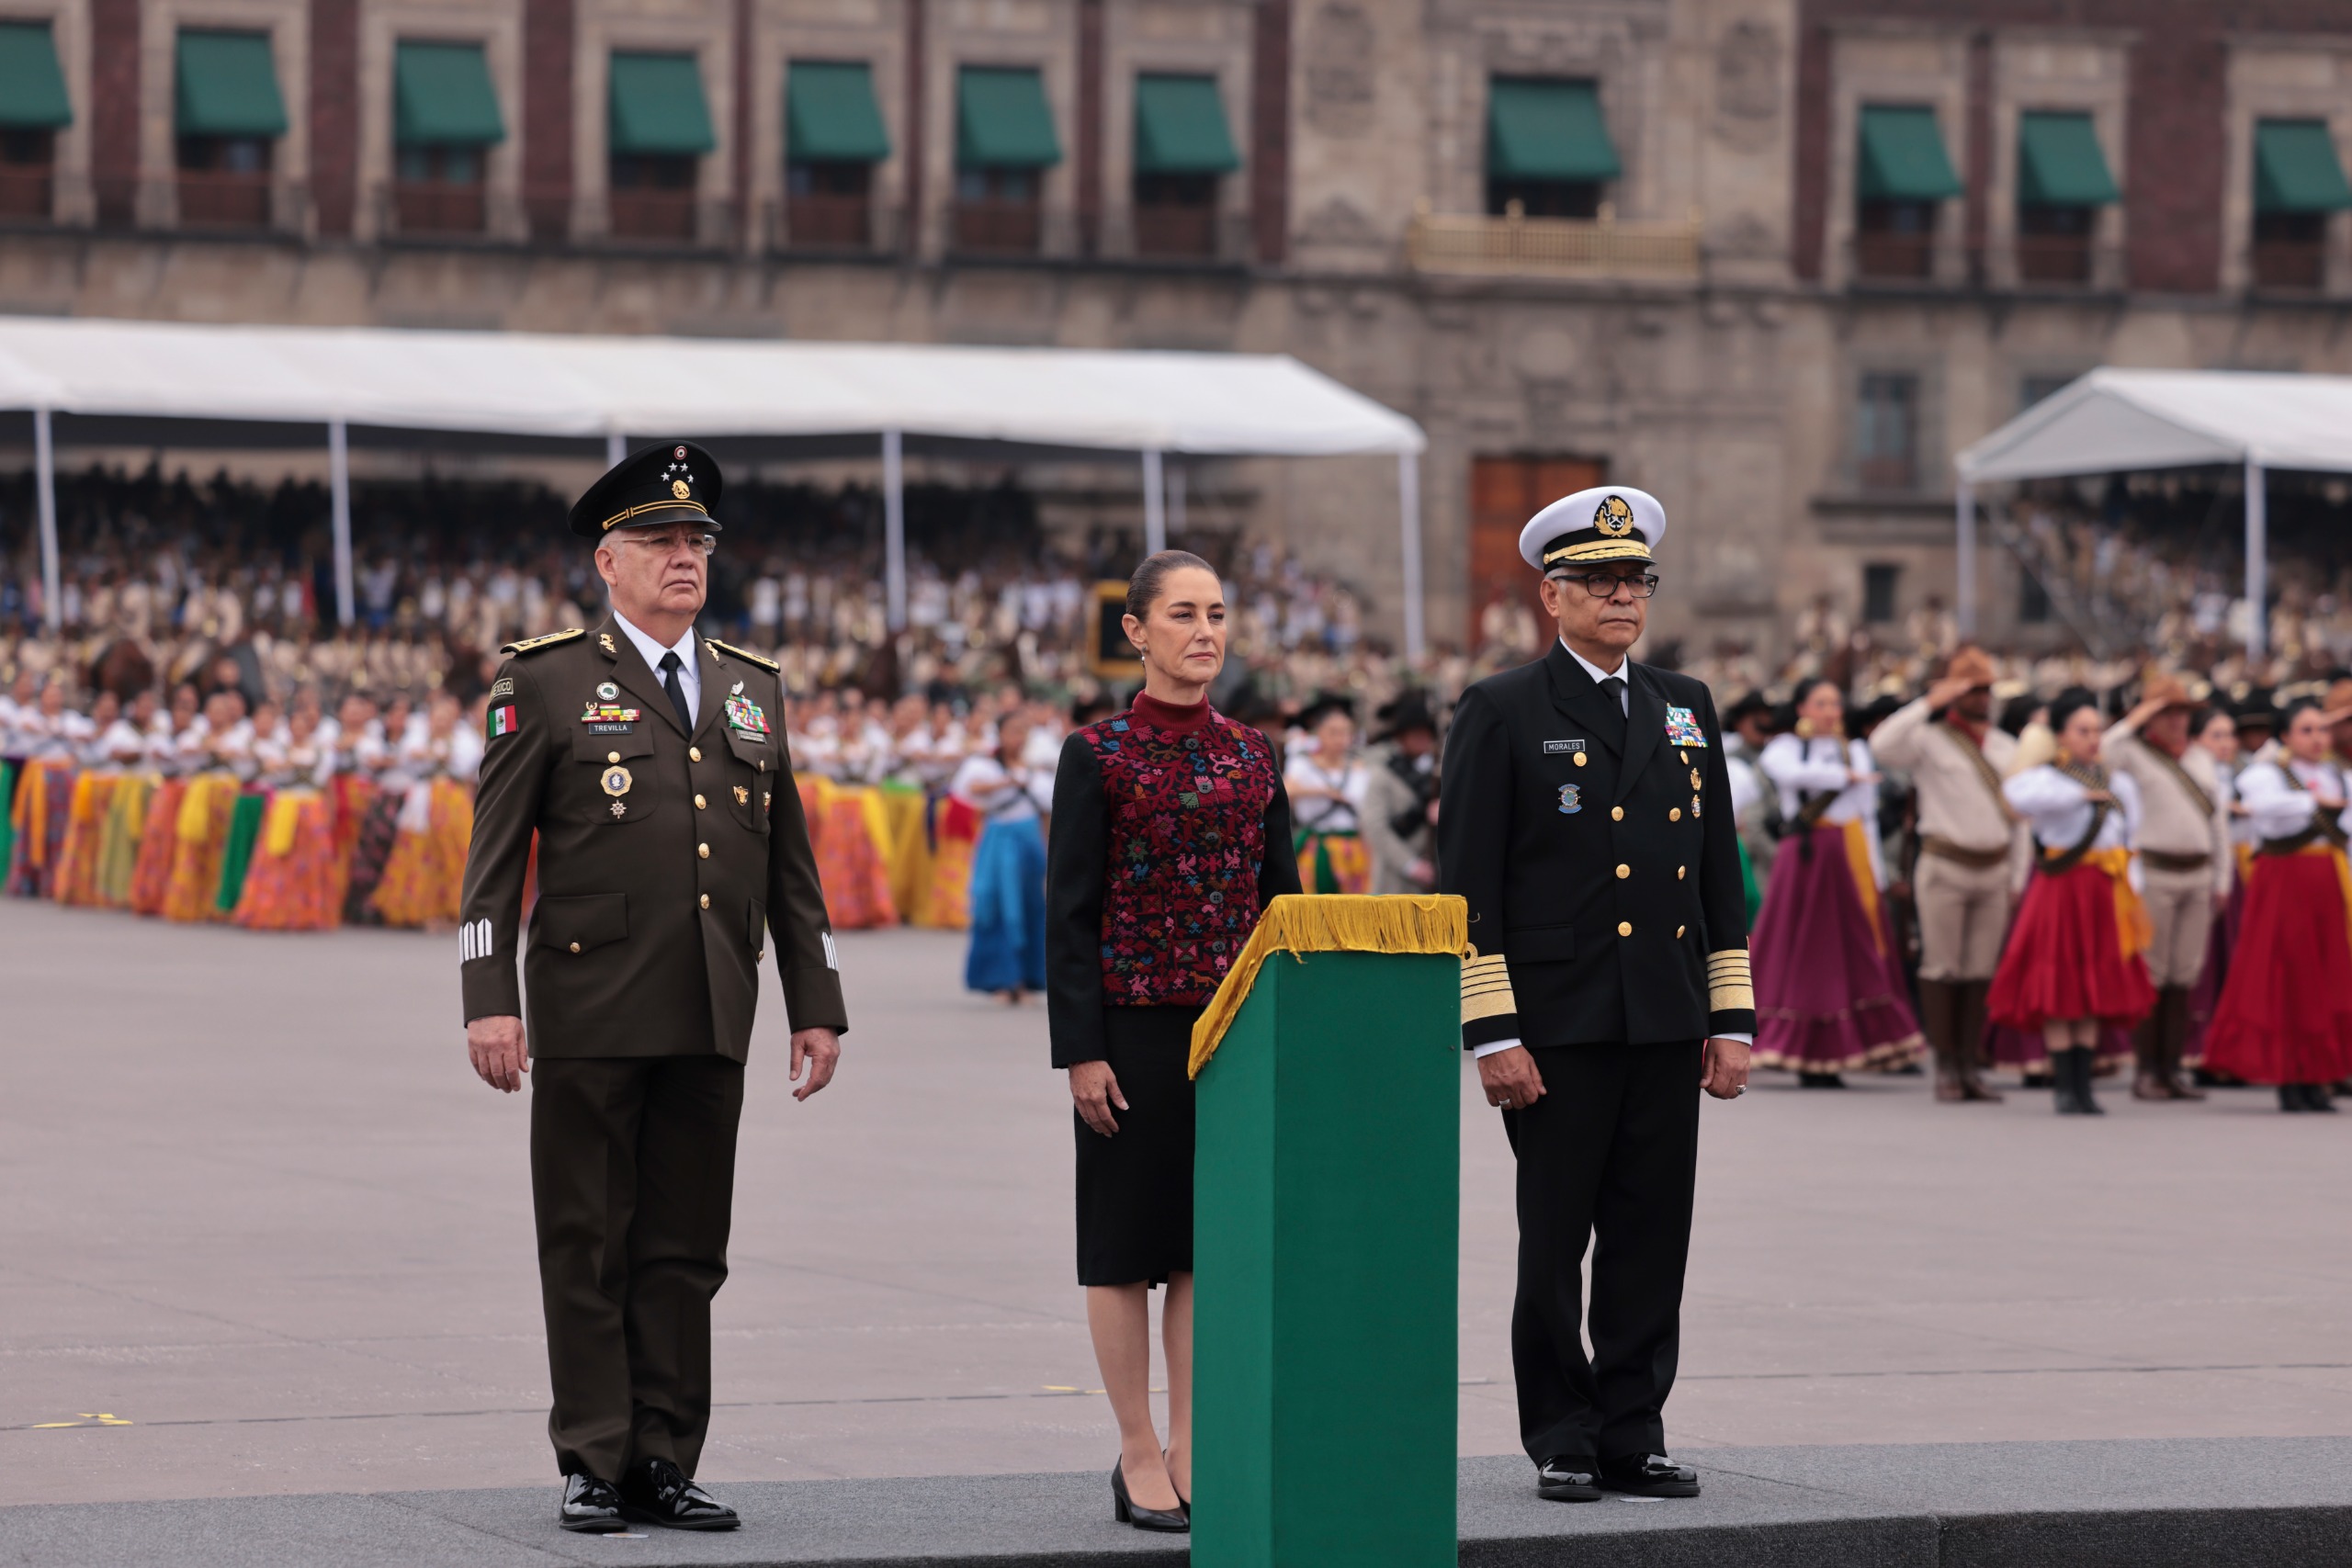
[1605, 584]
[666, 543]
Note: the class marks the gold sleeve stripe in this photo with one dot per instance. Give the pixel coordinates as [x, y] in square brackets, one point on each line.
[1486, 988]
[1730, 986]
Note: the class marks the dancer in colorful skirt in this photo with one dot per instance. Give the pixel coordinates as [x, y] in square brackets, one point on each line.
[1327, 796]
[2182, 837]
[293, 882]
[2074, 962]
[1008, 898]
[424, 877]
[1829, 990]
[2285, 1016]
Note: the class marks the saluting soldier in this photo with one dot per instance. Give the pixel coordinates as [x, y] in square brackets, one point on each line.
[1586, 816]
[649, 764]
[2185, 867]
[1972, 854]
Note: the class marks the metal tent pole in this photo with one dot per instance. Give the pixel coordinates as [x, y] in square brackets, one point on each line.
[1409, 508]
[1177, 497]
[339, 486]
[52, 603]
[616, 447]
[894, 527]
[2257, 564]
[1155, 506]
[1964, 594]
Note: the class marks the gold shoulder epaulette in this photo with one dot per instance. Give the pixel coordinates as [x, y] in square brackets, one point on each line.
[532, 644]
[745, 654]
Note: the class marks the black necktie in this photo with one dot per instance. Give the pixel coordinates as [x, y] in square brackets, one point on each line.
[1612, 689]
[673, 685]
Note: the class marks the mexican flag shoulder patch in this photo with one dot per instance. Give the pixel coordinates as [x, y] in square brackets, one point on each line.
[503, 721]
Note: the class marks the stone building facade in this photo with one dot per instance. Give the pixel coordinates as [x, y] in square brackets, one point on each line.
[1703, 246]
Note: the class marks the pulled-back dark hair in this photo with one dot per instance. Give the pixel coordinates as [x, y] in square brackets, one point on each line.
[1145, 587]
[2069, 703]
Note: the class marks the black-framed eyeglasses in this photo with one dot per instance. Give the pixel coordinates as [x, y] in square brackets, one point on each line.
[1605, 584]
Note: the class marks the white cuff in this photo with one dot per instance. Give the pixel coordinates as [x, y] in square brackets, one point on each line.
[1748, 1040]
[1491, 1047]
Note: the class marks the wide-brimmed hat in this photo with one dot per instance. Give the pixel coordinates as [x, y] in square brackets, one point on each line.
[2166, 690]
[1972, 664]
[1410, 709]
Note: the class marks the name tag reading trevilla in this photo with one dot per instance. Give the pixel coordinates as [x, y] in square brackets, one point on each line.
[605, 719]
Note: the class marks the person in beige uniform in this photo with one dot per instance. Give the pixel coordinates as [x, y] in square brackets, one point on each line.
[1968, 844]
[2185, 864]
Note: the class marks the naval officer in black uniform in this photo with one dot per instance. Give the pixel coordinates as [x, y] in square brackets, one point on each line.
[1586, 816]
[650, 766]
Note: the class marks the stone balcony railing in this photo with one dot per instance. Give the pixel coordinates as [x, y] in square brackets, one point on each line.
[1516, 245]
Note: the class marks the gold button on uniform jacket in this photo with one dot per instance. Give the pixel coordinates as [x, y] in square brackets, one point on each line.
[666, 861]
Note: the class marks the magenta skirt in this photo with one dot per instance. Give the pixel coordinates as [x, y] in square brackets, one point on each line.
[1829, 990]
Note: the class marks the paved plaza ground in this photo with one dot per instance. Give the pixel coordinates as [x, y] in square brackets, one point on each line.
[254, 1203]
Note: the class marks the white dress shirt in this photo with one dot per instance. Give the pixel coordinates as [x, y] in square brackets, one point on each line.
[1625, 705]
[1624, 682]
[689, 673]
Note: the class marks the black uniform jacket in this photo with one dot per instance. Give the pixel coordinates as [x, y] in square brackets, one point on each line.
[1602, 877]
[665, 859]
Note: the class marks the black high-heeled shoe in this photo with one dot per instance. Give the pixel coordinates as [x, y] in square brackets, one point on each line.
[1127, 1511]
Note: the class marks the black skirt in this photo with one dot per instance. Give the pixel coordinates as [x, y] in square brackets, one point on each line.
[1135, 1188]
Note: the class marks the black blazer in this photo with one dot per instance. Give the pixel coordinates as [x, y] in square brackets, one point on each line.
[1599, 858]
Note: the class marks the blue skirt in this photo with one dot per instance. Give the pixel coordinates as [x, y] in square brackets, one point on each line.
[1007, 900]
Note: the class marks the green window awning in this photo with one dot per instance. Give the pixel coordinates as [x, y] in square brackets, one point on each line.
[442, 96]
[1002, 121]
[658, 107]
[32, 88]
[830, 115]
[227, 86]
[2060, 163]
[1902, 155]
[2296, 169]
[1538, 129]
[1180, 128]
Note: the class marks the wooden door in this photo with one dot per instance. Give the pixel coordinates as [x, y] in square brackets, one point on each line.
[1504, 494]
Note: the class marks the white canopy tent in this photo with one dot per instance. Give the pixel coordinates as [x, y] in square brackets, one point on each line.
[546, 386]
[2115, 420]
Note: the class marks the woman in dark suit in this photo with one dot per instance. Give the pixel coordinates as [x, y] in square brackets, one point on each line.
[1170, 830]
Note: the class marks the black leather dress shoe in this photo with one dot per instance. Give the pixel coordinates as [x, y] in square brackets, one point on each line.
[1564, 1478]
[1649, 1475]
[591, 1506]
[657, 1492]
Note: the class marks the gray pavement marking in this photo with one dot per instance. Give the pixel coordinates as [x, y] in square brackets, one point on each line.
[252, 1202]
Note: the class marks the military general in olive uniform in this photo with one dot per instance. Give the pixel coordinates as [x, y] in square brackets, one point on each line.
[1586, 818]
[649, 765]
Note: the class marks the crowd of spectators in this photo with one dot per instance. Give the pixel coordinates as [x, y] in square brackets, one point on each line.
[168, 578]
[161, 576]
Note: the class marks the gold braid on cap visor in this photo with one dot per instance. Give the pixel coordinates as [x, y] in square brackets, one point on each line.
[617, 518]
[1598, 549]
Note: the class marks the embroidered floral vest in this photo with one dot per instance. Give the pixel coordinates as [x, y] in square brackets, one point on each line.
[1187, 816]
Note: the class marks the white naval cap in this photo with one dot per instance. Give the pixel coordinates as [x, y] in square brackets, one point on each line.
[1605, 522]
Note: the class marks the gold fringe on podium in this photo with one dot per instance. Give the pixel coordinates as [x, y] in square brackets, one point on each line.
[1331, 922]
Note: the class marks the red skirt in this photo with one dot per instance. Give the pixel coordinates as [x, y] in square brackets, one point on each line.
[2286, 1011]
[2064, 959]
[1829, 990]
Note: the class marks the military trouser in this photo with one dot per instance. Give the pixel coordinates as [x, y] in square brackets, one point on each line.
[632, 1185]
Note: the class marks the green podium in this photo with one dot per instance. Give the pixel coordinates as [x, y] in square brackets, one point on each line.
[1327, 1183]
